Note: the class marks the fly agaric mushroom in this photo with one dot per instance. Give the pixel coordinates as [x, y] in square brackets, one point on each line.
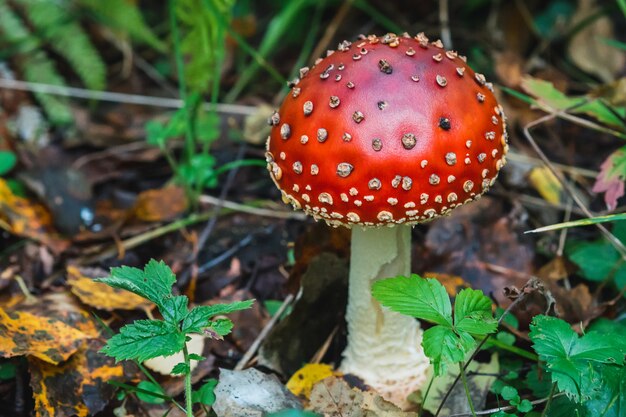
[386, 131]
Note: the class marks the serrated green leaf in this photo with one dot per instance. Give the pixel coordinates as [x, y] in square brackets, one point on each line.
[219, 328]
[174, 309]
[151, 387]
[143, 340]
[180, 369]
[153, 283]
[205, 394]
[570, 359]
[194, 357]
[442, 346]
[472, 313]
[611, 401]
[199, 316]
[414, 296]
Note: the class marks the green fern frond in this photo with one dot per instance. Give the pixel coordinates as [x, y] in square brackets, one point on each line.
[15, 35]
[57, 26]
[125, 16]
[202, 40]
[38, 68]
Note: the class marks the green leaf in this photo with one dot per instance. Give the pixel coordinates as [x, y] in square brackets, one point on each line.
[180, 369]
[611, 401]
[153, 283]
[414, 296]
[143, 340]
[442, 346]
[509, 393]
[570, 359]
[219, 328]
[175, 309]
[194, 357]
[204, 394]
[199, 316]
[7, 161]
[472, 313]
[151, 387]
[595, 259]
[524, 406]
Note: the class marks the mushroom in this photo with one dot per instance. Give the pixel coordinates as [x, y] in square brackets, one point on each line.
[385, 133]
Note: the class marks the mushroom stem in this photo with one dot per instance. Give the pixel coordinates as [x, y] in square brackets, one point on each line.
[384, 347]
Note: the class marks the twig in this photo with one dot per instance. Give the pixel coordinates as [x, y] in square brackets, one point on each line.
[266, 330]
[444, 21]
[617, 244]
[331, 28]
[243, 208]
[532, 283]
[172, 103]
[508, 407]
[549, 400]
[317, 358]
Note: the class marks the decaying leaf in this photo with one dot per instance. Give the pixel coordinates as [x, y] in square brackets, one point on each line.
[26, 218]
[610, 180]
[78, 386]
[301, 383]
[452, 283]
[160, 204]
[23, 333]
[333, 397]
[102, 296]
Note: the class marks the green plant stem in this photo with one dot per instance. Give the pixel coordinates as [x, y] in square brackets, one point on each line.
[430, 384]
[188, 403]
[547, 407]
[467, 392]
[182, 91]
[514, 349]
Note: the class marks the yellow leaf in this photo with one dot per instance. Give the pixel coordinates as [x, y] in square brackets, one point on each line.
[48, 339]
[546, 184]
[78, 386]
[25, 218]
[301, 383]
[101, 296]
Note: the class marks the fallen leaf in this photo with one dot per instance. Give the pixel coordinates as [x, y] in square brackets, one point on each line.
[301, 383]
[546, 184]
[78, 386]
[251, 393]
[586, 47]
[23, 217]
[48, 339]
[160, 204]
[333, 397]
[610, 180]
[102, 296]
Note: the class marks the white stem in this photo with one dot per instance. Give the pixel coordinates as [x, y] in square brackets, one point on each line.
[384, 348]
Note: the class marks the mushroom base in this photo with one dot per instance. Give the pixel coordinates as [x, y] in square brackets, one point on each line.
[384, 347]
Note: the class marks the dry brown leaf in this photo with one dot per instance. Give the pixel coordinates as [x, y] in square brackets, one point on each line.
[26, 218]
[51, 340]
[78, 387]
[509, 66]
[587, 49]
[102, 296]
[160, 204]
[333, 397]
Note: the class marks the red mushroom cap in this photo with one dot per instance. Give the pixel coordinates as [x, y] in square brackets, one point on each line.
[386, 130]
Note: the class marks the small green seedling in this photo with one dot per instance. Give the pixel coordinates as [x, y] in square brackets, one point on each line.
[147, 339]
